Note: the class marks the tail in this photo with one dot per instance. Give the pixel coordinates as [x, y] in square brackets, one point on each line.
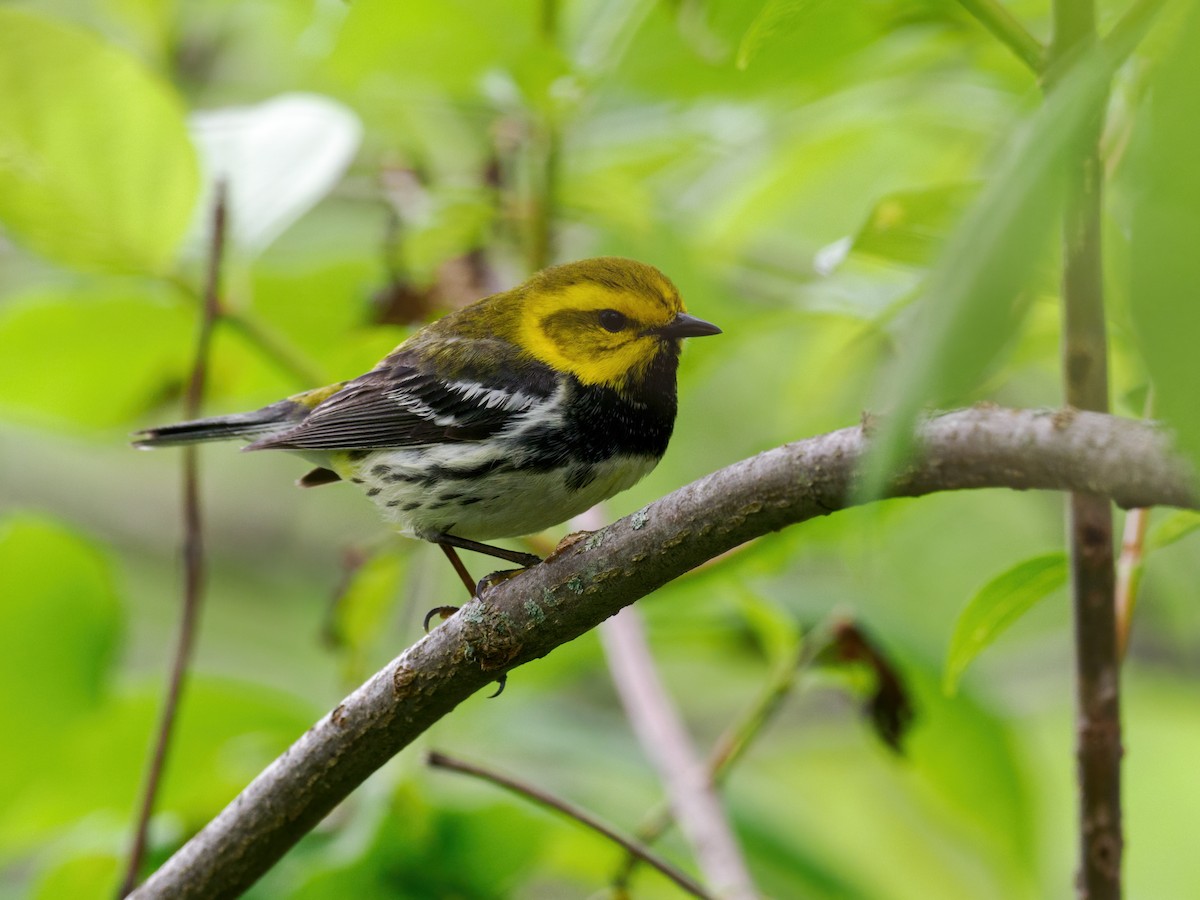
[251, 425]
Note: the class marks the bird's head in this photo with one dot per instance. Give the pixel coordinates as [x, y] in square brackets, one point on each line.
[603, 320]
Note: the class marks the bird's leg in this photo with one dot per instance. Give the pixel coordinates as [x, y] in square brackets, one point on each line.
[513, 556]
[449, 541]
[473, 589]
[460, 568]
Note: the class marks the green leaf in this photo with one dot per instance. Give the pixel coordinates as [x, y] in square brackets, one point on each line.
[909, 227]
[1174, 528]
[59, 625]
[776, 630]
[973, 760]
[96, 168]
[973, 300]
[1165, 267]
[91, 874]
[278, 158]
[996, 606]
[59, 621]
[449, 44]
[369, 596]
[227, 732]
[113, 353]
[435, 849]
[776, 19]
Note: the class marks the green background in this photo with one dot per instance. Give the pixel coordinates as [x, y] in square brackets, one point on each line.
[816, 178]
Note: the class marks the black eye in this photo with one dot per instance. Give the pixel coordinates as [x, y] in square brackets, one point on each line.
[611, 320]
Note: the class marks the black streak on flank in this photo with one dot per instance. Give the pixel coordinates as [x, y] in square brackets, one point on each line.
[580, 477]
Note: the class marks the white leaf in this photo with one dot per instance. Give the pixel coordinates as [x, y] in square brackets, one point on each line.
[278, 159]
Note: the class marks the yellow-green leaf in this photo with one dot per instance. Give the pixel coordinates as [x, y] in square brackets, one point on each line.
[776, 19]
[909, 227]
[94, 358]
[363, 605]
[1166, 228]
[972, 302]
[60, 613]
[96, 168]
[996, 606]
[1175, 527]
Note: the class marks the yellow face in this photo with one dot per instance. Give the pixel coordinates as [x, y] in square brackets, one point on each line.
[602, 332]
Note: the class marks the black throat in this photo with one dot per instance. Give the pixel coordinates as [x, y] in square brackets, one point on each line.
[635, 420]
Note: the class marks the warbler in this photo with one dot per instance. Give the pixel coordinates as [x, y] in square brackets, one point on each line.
[499, 420]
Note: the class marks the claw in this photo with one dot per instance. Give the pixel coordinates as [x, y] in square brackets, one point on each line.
[444, 611]
[488, 581]
[500, 683]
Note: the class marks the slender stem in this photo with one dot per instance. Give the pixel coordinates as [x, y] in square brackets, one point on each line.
[571, 811]
[1129, 30]
[733, 743]
[193, 547]
[1089, 518]
[275, 347]
[272, 345]
[1007, 28]
[664, 738]
[1129, 574]
[549, 21]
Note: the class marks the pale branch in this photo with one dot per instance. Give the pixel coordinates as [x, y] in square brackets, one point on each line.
[664, 738]
[1129, 574]
[729, 748]
[523, 618]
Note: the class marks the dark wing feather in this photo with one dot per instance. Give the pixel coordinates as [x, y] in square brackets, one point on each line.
[403, 404]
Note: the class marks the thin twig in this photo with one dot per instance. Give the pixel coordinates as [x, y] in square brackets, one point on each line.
[273, 346]
[733, 743]
[276, 348]
[664, 739]
[193, 544]
[1129, 566]
[549, 21]
[1009, 31]
[526, 617]
[1129, 30]
[1129, 574]
[571, 811]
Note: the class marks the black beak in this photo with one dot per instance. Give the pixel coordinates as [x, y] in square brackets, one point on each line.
[684, 325]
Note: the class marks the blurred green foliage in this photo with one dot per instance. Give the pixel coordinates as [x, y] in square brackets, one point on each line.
[816, 178]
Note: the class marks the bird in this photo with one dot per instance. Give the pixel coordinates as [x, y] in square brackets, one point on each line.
[498, 420]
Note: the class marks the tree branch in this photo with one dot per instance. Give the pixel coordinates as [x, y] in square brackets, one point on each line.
[524, 618]
[1089, 517]
[193, 544]
[663, 735]
[729, 748]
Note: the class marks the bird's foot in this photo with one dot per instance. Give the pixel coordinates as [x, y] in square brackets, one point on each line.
[444, 612]
[500, 683]
[495, 578]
